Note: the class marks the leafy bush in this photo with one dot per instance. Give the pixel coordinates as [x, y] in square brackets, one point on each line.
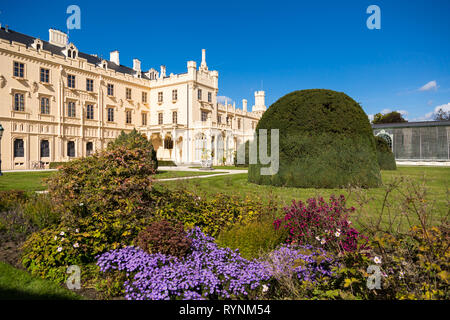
[211, 215]
[135, 140]
[11, 198]
[252, 238]
[166, 238]
[114, 179]
[49, 252]
[322, 224]
[244, 146]
[56, 165]
[325, 141]
[39, 210]
[166, 163]
[386, 159]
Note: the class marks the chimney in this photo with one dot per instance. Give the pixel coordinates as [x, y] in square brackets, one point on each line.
[203, 65]
[114, 57]
[244, 105]
[58, 38]
[137, 65]
[163, 72]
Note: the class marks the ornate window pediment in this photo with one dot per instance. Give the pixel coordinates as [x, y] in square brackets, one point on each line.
[71, 51]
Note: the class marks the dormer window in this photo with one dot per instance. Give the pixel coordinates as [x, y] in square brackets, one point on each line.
[104, 64]
[71, 51]
[37, 44]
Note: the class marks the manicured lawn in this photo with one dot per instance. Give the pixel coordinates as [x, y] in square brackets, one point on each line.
[437, 181]
[177, 174]
[225, 168]
[18, 284]
[34, 181]
[27, 181]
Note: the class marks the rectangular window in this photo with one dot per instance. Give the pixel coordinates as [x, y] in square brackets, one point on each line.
[71, 81]
[204, 116]
[90, 112]
[19, 69]
[199, 94]
[89, 85]
[219, 119]
[128, 116]
[71, 149]
[239, 123]
[174, 117]
[89, 148]
[18, 148]
[174, 95]
[19, 102]
[209, 97]
[110, 89]
[45, 149]
[144, 119]
[45, 105]
[144, 97]
[160, 96]
[160, 118]
[128, 93]
[111, 114]
[45, 75]
[71, 112]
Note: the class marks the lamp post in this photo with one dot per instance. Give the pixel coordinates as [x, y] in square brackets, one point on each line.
[1, 134]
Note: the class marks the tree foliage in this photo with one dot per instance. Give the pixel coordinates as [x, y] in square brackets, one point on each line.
[391, 117]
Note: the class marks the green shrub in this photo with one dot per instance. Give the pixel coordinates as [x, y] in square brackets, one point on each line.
[11, 198]
[39, 211]
[240, 149]
[56, 165]
[111, 180]
[79, 243]
[211, 215]
[325, 141]
[386, 159]
[164, 237]
[135, 140]
[166, 163]
[253, 238]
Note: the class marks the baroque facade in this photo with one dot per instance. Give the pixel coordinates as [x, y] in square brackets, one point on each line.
[58, 103]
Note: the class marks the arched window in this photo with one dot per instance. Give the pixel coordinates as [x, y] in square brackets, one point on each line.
[18, 148]
[387, 138]
[168, 143]
[71, 149]
[45, 148]
[200, 146]
[89, 148]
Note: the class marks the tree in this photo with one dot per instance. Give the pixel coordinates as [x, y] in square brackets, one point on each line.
[442, 115]
[391, 117]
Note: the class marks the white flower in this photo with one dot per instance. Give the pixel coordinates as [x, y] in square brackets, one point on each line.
[59, 249]
[76, 230]
[323, 241]
[377, 260]
[337, 234]
[62, 233]
[265, 288]
[76, 245]
[349, 222]
[401, 275]
[318, 238]
[55, 238]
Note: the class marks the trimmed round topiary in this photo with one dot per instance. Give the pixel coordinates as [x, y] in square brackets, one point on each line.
[325, 141]
[386, 159]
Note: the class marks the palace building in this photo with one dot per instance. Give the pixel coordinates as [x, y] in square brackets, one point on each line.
[58, 103]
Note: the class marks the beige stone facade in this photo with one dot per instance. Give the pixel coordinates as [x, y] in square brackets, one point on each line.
[58, 103]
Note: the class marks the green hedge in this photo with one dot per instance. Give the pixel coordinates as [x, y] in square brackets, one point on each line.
[326, 141]
[166, 163]
[386, 159]
[55, 165]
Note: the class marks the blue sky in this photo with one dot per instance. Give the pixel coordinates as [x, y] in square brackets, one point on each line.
[278, 46]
